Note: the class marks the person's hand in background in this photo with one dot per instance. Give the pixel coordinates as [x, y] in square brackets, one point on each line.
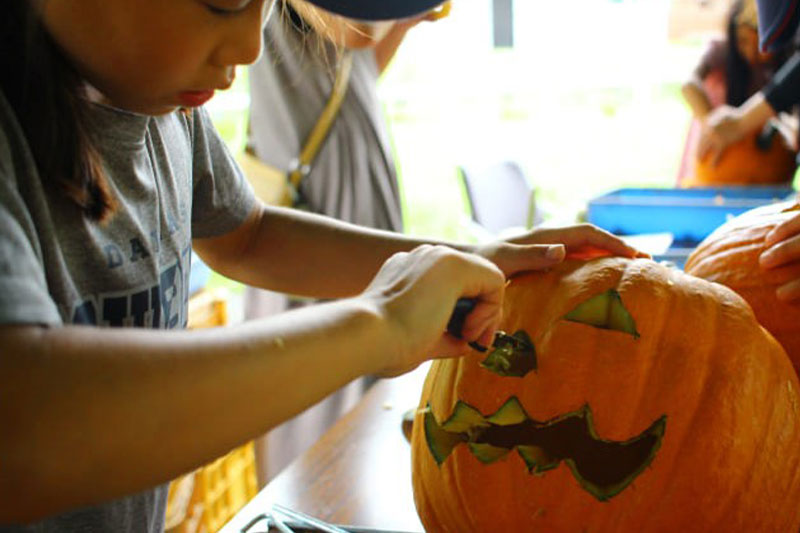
[783, 251]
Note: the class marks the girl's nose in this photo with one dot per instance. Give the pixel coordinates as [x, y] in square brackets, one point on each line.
[243, 41]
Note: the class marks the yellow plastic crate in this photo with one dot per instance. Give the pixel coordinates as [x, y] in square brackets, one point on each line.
[204, 500]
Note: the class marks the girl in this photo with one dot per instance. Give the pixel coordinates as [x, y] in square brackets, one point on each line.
[105, 187]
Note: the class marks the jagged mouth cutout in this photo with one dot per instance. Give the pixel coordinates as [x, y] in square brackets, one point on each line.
[602, 467]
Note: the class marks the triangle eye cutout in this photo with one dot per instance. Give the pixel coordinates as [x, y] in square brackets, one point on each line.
[605, 311]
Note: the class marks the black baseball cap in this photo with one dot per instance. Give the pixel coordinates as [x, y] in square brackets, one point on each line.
[377, 9]
[777, 23]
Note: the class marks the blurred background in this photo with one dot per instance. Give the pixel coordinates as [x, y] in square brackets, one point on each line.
[583, 94]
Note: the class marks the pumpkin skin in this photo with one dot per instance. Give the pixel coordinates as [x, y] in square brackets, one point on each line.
[730, 256]
[744, 163]
[728, 457]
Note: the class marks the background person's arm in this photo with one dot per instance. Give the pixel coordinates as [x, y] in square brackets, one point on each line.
[727, 125]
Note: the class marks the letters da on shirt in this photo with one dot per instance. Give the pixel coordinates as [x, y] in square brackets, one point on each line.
[162, 305]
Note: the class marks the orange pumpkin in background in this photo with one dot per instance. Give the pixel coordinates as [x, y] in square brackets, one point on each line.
[645, 400]
[760, 158]
[730, 256]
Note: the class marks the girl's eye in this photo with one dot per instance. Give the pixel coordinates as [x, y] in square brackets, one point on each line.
[226, 7]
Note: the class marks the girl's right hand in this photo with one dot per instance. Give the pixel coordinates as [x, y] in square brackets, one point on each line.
[416, 292]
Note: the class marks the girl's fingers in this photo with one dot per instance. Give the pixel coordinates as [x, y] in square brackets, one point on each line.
[602, 239]
[513, 258]
[783, 231]
[587, 237]
[789, 292]
[482, 322]
[783, 252]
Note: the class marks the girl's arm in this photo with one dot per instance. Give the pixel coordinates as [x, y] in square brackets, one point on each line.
[91, 414]
[327, 258]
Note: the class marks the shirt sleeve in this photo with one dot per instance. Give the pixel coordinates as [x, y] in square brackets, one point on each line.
[783, 90]
[222, 197]
[24, 297]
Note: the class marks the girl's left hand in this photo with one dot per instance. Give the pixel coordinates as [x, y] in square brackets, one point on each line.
[581, 240]
[783, 250]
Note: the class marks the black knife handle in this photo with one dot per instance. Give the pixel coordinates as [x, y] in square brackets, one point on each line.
[464, 306]
[455, 325]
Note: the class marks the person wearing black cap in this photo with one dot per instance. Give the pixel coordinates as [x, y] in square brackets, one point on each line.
[111, 173]
[352, 176]
[731, 70]
[777, 25]
[778, 22]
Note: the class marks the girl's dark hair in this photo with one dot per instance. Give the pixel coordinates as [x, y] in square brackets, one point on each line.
[48, 97]
[738, 73]
[737, 70]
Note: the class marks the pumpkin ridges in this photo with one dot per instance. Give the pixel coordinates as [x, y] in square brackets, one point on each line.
[722, 516]
[709, 267]
[763, 454]
[656, 337]
[738, 268]
[694, 373]
[712, 514]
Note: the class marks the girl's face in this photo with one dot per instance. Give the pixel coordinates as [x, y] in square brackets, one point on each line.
[153, 56]
[747, 44]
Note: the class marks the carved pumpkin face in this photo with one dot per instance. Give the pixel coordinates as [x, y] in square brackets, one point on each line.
[730, 256]
[653, 404]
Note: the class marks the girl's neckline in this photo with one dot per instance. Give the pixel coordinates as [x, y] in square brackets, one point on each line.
[120, 126]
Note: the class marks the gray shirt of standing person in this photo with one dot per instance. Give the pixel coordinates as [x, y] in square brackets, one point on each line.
[173, 180]
[353, 177]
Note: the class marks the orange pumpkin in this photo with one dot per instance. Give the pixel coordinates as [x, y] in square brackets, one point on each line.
[650, 401]
[745, 163]
[730, 256]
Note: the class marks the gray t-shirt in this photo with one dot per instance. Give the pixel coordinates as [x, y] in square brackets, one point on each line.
[173, 180]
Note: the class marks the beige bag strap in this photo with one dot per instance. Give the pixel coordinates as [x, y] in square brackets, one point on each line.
[302, 165]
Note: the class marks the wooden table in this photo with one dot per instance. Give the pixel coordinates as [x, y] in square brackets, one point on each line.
[358, 473]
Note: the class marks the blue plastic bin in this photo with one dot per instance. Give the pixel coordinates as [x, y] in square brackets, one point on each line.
[690, 215]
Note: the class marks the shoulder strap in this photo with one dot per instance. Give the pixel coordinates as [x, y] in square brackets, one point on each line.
[302, 165]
